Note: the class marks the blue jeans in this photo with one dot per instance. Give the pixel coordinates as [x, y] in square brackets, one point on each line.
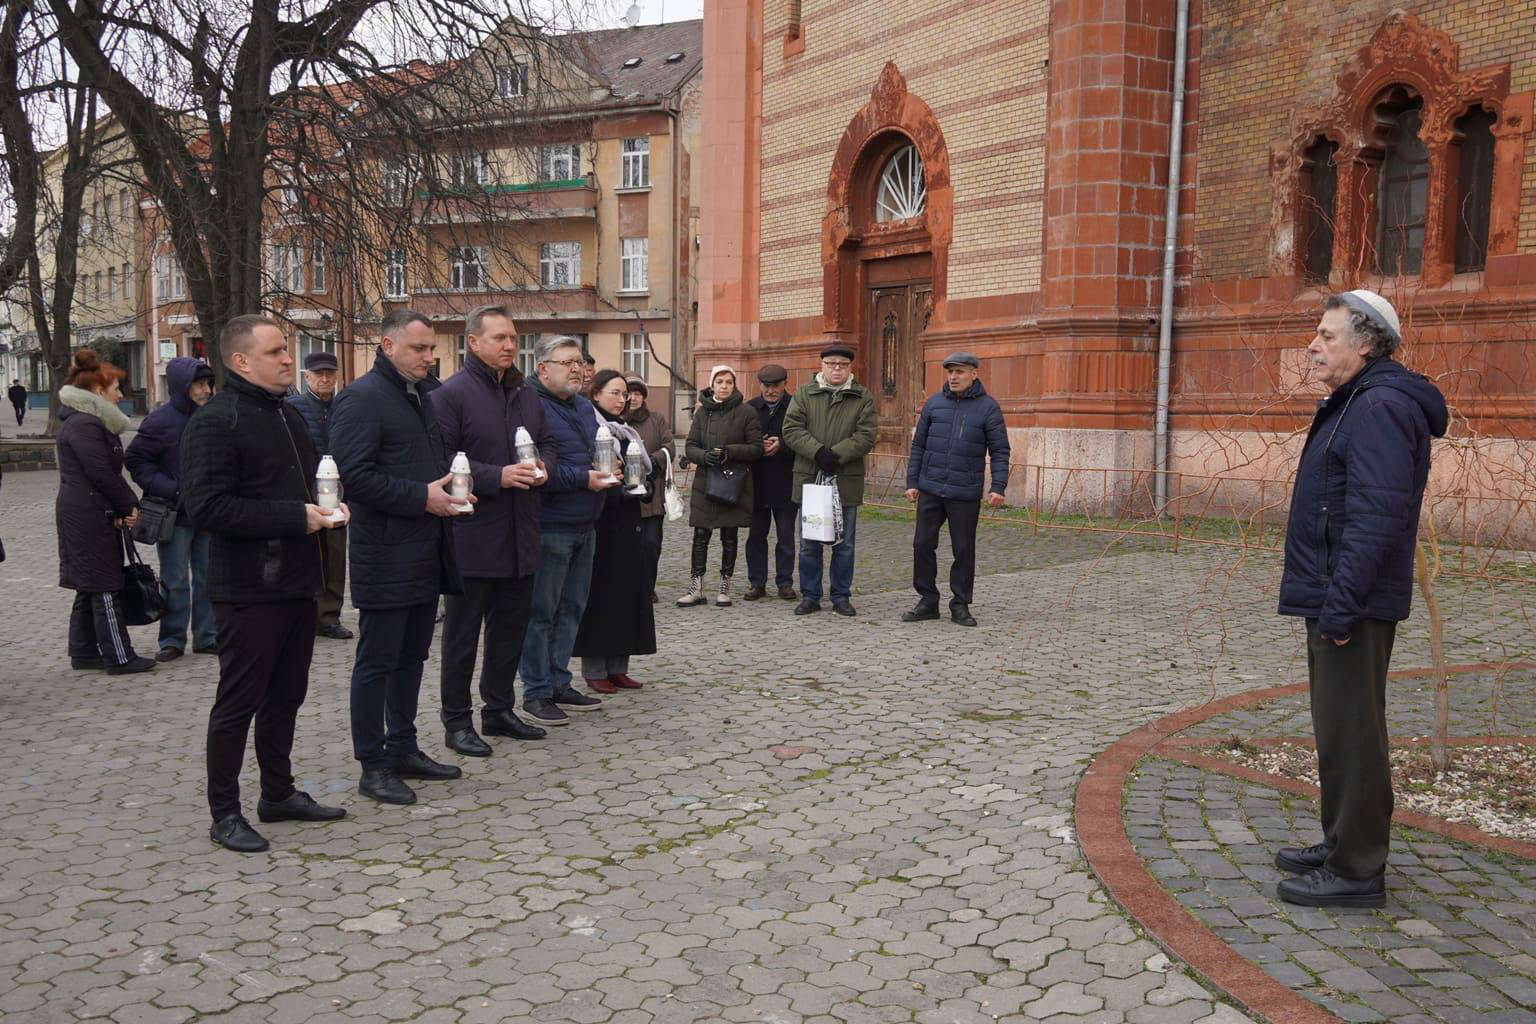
[842, 561]
[559, 598]
[186, 554]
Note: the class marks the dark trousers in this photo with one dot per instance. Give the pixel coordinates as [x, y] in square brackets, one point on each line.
[392, 646]
[334, 544]
[264, 652]
[96, 629]
[650, 543]
[962, 516]
[504, 606]
[782, 519]
[1349, 718]
[728, 536]
[21, 412]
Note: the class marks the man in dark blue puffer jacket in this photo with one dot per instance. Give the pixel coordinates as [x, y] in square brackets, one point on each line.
[1349, 555]
[958, 428]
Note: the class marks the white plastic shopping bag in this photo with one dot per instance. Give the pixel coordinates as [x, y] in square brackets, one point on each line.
[672, 499]
[821, 511]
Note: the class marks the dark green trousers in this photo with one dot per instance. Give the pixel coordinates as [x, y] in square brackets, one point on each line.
[1349, 718]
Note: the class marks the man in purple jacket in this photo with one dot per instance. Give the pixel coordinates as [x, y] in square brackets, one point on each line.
[479, 410]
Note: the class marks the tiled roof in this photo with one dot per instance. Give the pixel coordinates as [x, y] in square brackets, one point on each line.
[605, 53]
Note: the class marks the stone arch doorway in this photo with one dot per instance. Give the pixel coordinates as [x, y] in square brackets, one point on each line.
[885, 248]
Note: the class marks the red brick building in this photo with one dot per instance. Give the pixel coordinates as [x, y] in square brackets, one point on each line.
[992, 175]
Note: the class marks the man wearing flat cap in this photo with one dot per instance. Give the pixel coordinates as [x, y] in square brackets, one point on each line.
[831, 424]
[313, 402]
[960, 426]
[773, 501]
[1349, 561]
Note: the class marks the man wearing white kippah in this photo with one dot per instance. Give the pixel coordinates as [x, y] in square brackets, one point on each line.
[1349, 554]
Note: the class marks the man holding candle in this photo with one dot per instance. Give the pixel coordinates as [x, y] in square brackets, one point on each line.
[480, 410]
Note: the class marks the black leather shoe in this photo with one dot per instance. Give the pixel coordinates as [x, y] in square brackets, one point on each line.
[466, 741]
[131, 666]
[335, 631]
[1323, 888]
[570, 700]
[960, 615]
[506, 723]
[212, 648]
[807, 606]
[545, 712]
[235, 833]
[843, 607]
[168, 654]
[1299, 860]
[419, 766]
[922, 613]
[86, 664]
[298, 807]
[385, 786]
[755, 592]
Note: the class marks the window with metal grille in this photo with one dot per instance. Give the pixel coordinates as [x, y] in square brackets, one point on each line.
[1319, 193]
[1403, 191]
[903, 190]
[1474, 179]
[636, 160]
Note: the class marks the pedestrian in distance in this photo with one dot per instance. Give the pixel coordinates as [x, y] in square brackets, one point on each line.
[388, 446]
[480, 410]
[315, 401]
[656, 432]
[248, 482]
[724, 440]
[93, 506]
[154, 461]
[831, 425]
[18, 396]
[773, 502]
[1349, 565]
[959, 428]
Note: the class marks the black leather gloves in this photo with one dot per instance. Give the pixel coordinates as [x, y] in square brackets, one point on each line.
[827, 459]
[715, 457]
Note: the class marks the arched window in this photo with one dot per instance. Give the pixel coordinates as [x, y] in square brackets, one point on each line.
[1403, 190]
[1319, 192]
[903, 190]
[1472, 150]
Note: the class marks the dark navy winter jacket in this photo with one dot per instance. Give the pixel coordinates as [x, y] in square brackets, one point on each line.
[567, 505]
[317, 418]
[1355, 503]
[949, 448]
[154, 457]
[389, 447]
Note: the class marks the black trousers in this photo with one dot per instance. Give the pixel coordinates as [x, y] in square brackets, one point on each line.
[504, 606]
[392, 647]
[21, 412]
[650, 542]
[1348, 685]
[264, 653]
[96, 630]
[932, 512]
[728, 537]
[782, 519]
[334, 544]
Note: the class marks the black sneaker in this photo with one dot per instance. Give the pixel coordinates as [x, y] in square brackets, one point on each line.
[299, 806]
[1299, 860]
[233, 832]
[545, 712]
[132, 666]
[1323, 888]
[86, 664]
[569, 698]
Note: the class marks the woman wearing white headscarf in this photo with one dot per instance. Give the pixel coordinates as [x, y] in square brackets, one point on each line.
[725, 436]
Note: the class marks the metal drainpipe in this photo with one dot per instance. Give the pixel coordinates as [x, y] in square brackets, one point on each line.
[1170, 250]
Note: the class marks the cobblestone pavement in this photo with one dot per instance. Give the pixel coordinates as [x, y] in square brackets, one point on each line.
[817, 819]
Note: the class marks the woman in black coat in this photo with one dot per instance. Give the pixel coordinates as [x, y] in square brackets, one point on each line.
[726, 434]
[93, 506]
[618, 621]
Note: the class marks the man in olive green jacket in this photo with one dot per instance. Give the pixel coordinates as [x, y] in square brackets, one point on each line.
[830, 426]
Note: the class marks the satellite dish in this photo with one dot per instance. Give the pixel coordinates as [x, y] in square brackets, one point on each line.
[632, 16]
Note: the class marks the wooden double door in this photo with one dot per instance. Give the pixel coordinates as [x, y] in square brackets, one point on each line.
[897, 314]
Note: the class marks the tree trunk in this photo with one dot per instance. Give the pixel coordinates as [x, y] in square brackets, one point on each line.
[1439, 737]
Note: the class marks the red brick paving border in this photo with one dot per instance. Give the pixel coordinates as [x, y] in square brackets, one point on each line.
[1101, 832]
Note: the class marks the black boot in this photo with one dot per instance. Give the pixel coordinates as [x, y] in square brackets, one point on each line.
[506, 723]
[233, 832]
[385, 786]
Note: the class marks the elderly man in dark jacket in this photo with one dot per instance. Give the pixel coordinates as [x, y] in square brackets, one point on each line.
[480, 410]
[773, 500]
[1349, 555]
[315, 401]
[247, 479]
[958, 428]
[154, 461]
[388, 445]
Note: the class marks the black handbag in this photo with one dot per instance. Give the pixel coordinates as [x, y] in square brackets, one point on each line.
[156, 523]
[725, 483]
[140, 600]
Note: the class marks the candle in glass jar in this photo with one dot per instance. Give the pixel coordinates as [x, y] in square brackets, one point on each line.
[459, 485]
[328, 486]
[528, 452]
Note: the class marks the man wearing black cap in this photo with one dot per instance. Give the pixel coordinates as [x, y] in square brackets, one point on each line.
[958, 428]
[773, 502]
[831, 425]
[314, 403]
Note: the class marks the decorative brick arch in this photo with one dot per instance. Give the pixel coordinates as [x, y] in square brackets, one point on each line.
[1403, 52]
[848, 234]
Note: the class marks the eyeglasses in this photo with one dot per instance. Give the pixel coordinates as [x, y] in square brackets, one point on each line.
[569, 364]
[836, 364]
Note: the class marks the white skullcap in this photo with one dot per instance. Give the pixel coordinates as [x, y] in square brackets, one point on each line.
[718, 369]
[1376, 309]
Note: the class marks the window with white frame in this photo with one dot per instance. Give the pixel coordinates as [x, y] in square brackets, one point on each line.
[511, 80]
[162, 277]
[526, 344]
[471, 169]
[178, 280]
[305, 344]
[293, 265]
[125, 206]
[127, 281]
[635, 162]
[471, 267]
[394, 274]
[460, 348]
[634, 264]
[561, 163]
[560, 264]
[317, 265]
[396, 182]
[636, 355]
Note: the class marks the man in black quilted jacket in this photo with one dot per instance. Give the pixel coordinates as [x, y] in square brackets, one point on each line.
[247, 479]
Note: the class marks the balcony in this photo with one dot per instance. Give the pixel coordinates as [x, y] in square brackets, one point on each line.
[541, 200]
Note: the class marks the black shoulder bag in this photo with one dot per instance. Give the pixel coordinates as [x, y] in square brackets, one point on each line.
[157, 521]
[140, 599]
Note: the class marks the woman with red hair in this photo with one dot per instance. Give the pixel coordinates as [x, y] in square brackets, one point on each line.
[94, 503]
